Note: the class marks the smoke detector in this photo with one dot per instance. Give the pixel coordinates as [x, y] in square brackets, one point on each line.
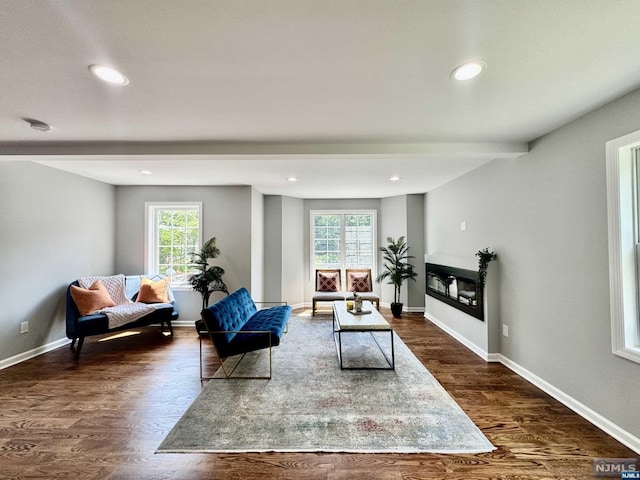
[38, 125]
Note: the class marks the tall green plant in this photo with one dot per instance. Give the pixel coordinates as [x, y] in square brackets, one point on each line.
[397, 268]
[209, 277]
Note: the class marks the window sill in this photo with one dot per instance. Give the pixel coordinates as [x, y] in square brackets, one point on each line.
[630, 353]
[181, 287]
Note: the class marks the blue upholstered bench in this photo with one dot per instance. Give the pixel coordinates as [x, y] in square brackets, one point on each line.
[236, 326]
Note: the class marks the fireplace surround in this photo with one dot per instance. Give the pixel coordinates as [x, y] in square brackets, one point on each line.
[457, 287]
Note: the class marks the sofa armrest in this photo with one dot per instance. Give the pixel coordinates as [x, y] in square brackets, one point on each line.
[72, 313]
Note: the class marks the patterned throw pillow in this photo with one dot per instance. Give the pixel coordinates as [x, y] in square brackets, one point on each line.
[358, 282]
[153, 292]
[328, 282]
[115, 285]
[91, 299]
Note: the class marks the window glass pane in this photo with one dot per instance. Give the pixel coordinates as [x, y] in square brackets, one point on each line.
[333, 233]
[174, 236]
[343, 240]
[179, 218]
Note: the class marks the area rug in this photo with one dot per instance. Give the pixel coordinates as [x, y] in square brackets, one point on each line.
[311, 405]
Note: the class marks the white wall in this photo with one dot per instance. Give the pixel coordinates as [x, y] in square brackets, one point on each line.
[545, 215]
[56, 227]
[227, 215]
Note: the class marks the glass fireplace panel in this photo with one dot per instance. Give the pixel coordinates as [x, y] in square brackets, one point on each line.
[456, 287]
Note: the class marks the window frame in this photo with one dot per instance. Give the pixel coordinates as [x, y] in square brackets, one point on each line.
[623, 225]
[342, 213]
[152, 210]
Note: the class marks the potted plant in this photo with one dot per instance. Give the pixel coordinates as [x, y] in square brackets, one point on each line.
[484, 257]
[209, 277]
[397, 269]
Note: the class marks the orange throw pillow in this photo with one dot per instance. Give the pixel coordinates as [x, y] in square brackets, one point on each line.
[153, 292]
[91, 299]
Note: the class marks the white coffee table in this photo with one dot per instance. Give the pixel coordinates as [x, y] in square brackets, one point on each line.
[346, 322]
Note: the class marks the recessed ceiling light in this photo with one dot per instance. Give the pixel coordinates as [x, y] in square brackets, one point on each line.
[292, 179]
[38, 125]
[108, 74]
[467, 71]
[395, 178]
[146, 172]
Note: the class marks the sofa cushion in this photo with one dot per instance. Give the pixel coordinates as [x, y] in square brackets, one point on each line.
[91, 299]
[229, 314]
[328, 296]
[271, 320]
[153, 292]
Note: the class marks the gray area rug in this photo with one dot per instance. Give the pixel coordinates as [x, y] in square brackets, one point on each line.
[310, 405]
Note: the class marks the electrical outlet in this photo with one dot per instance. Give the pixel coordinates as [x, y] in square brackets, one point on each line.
[505, 330]
[463, 226]
[24, 327]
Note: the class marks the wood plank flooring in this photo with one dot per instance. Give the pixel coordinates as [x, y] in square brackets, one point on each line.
[103, 418]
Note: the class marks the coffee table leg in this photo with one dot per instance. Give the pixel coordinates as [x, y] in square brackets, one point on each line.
[393, 354]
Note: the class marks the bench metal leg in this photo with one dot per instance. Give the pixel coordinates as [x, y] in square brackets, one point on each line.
[228, 375]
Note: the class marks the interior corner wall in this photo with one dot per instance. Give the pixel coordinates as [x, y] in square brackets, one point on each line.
[545, 214]
[226, 215]
[257, 245]
[403, 215]
[283, 265]
[292, 251]
[392, 223]
[416, 243]
[273, 233]
[56, 227]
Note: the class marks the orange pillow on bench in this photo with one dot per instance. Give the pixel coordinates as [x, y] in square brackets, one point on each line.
[91, 299]
[153, 292]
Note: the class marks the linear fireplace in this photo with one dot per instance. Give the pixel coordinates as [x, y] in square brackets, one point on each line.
[457, 287]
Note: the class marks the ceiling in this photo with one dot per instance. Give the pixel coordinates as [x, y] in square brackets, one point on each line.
[341, 94]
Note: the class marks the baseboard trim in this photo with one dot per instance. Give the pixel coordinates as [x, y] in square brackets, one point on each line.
[581, 409]
[24, 356]
[568, 401]
[413, 309]
[181, 323]
[463, 340]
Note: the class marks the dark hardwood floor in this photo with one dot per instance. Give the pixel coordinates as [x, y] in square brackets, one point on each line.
[103, 418]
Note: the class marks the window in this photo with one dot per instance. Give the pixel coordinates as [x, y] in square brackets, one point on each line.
[173, 233]
[623, 160]
[343, 240]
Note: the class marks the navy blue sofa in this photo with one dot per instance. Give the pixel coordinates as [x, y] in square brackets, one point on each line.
[236, 326]
[79, 327]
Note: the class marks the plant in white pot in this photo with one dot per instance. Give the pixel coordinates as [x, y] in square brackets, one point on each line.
[397, 269]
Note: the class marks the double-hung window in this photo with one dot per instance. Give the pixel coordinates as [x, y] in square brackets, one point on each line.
[343, 239]
[173, 233]
[623, 184]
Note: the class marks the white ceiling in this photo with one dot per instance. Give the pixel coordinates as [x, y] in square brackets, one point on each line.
[342, 94]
